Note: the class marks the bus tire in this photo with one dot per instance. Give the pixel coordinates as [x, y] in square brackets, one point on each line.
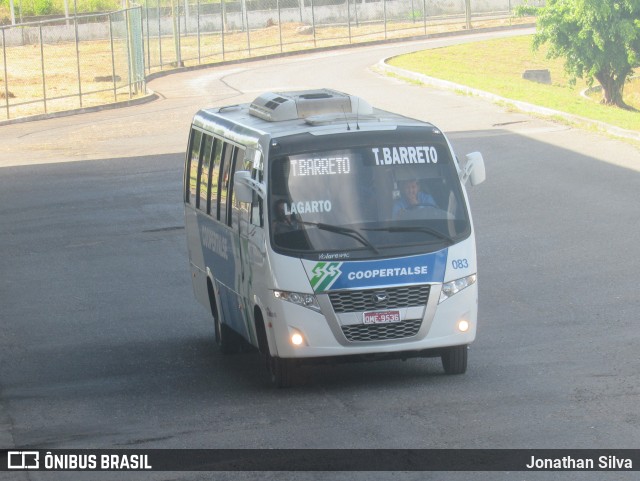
[454, 359]
[281, 372]
[226, 339]
[263, 343]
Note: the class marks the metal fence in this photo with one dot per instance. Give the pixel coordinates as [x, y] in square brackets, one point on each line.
[96, 59]
[204, 31]
[63, 64]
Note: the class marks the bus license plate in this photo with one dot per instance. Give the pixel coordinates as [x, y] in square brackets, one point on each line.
[381, 317]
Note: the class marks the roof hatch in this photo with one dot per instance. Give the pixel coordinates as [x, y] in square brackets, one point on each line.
[279, 106]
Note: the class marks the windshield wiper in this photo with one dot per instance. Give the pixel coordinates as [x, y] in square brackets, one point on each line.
[353, 233]
[426, 230]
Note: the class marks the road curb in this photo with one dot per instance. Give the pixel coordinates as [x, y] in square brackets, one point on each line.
[385, 68]
[149, 97]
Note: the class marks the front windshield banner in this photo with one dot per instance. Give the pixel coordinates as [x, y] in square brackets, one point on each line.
[390, 194]
[421, 269]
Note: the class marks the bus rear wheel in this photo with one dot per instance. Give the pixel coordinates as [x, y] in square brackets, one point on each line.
[454, 359]
[227, 340]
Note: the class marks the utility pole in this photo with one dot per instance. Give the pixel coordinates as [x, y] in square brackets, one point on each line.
[13, 15]
[467, 13]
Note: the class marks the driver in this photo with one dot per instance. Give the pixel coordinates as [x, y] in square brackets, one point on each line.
[411, 197]
[283, 223]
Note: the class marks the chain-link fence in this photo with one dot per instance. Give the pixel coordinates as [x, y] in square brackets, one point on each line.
[72, 63]
[183, 32]
[96, 59]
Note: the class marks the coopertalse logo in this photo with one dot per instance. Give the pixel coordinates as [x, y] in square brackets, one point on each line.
[23, 460]
[419, 269]
[324, 275]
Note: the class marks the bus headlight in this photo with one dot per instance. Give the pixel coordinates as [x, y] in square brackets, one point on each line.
[453, 287]
[305, 300]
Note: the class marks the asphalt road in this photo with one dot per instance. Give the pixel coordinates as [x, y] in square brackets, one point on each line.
[102, 344]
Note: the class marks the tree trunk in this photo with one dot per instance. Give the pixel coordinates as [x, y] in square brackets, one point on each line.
[612, 89]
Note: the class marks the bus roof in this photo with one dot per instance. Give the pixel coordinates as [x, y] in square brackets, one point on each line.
[318, 112]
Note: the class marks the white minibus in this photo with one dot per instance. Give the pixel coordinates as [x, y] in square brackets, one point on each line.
[320, 228]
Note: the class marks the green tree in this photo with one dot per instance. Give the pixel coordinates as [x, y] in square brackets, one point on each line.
[598, 39]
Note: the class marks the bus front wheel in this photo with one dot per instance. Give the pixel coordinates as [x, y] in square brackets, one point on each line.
[454, 359]
[281, 371]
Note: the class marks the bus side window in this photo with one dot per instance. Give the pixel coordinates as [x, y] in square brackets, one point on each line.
[239, 209]
[205, 173]
[225, 167]
[216, 158]
[194, 167]
[257, 217]
[238, 154]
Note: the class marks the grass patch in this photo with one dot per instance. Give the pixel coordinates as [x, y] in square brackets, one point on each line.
[496, 66]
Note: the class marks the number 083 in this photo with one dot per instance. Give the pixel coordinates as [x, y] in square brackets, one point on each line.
[460, 264]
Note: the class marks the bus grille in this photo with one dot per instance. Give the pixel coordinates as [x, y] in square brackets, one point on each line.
[382, 332]
[396, 297]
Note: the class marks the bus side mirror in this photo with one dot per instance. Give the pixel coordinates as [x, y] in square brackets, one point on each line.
[245, 187]
[242, 186]
[474, 169]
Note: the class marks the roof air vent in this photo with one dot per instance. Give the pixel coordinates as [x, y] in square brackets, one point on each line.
[281, 106]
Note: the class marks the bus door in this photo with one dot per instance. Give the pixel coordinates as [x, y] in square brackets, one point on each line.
[228, 273]
[247, 222]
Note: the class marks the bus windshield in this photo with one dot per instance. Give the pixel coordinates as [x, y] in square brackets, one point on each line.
[385, 194]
